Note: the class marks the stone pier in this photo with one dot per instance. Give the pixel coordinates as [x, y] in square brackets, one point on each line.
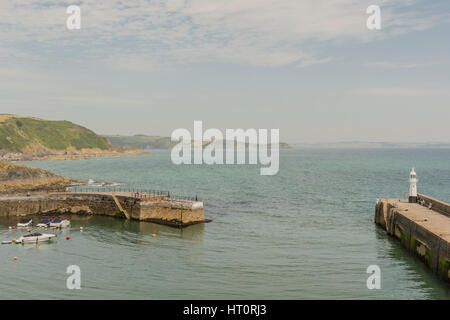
[424, 232]
[153, 208]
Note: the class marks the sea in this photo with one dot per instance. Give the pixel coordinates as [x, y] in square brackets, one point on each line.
[306, 233]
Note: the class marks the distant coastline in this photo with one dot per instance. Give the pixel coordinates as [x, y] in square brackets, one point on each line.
[76, 155]
[154, 142]
[372, 145]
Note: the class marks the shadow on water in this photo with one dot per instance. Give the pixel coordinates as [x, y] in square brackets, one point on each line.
[423, 275]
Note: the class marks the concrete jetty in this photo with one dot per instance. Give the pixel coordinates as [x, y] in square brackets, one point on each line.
[423, 231]
[157, 208]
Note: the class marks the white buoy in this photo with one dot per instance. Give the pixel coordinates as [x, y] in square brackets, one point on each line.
[10, 228]
[81, 229]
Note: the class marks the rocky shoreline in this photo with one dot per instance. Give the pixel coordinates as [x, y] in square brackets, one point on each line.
[71, 155]
[18, 179]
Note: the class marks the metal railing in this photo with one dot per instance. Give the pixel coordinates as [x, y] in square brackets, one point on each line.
[185, 198]
[118, 189]
[137, 192]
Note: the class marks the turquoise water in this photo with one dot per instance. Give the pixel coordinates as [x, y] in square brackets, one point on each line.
[306, 233]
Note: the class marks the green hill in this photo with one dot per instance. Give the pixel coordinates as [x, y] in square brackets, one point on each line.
[31, 135]
[142, 142]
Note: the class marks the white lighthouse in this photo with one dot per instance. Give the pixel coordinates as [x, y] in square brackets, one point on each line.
[413, 186]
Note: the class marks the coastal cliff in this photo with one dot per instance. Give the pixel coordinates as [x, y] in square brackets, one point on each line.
[25, 138]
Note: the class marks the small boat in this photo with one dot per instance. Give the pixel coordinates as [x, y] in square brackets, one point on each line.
[44, 223]
[25, 223]
[7, 242]
[35, 237]
[59, 223]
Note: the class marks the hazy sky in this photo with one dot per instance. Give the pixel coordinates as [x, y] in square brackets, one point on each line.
[310, 68]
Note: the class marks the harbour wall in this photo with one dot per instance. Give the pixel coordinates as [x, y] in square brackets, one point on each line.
[423, 232]
[437, 205]
[171, 212]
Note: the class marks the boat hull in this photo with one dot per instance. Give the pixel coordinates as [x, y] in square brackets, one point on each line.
[63, 224]
[42, 238]
[24, 225]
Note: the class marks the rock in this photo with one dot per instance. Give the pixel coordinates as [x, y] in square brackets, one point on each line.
[14, 178]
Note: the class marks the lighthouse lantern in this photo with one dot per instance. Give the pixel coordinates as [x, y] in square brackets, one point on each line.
[413, 186]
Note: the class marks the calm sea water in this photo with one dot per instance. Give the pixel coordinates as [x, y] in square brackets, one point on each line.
[306, 233]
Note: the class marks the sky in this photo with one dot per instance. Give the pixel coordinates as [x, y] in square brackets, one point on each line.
[309, 68]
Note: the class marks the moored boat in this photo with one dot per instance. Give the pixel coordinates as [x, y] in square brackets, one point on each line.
[35, 237]
[25, 223]
[44, 223]
[59, 223]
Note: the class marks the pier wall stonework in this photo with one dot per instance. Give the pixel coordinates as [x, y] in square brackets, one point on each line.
[433, 249]
[154, 212]
[163, 212]
[438, 205]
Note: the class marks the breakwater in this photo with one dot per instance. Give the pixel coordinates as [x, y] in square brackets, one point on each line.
[423, 231]
[160, 209]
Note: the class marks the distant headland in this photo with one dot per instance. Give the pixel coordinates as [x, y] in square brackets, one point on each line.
[371, 145]
[27, 138]
[153, 142]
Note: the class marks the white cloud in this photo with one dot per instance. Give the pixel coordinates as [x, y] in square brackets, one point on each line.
[256, 32]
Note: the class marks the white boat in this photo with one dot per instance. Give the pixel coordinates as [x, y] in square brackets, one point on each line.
[59, 223]
[25, 223]
[44, 223]
[35, 237]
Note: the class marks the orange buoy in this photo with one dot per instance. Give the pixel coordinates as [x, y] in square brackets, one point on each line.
[28, 230]
[54, 228]
[15, 258]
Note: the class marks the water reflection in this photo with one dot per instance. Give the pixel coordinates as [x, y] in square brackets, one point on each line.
[110, 229]
[419, 273]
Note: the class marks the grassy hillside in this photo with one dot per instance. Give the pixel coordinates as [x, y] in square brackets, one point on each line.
[28, 135]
